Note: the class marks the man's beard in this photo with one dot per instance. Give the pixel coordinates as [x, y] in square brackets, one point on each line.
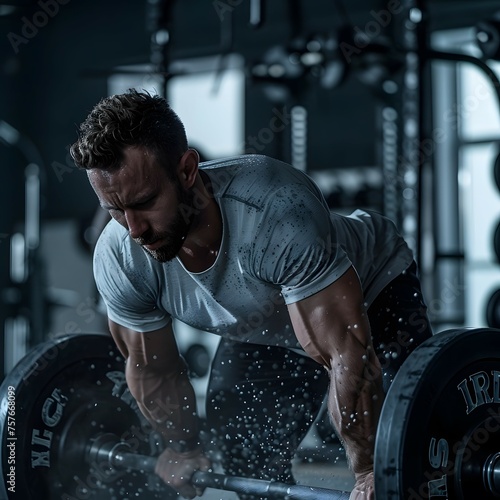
[178, 230]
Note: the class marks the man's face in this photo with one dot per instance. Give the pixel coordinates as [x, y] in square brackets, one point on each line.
[141, 197]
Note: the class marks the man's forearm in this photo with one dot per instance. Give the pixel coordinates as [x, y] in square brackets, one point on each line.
[167, 400]
[355, 400]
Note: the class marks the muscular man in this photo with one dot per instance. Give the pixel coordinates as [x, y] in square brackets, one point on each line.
[307, 302]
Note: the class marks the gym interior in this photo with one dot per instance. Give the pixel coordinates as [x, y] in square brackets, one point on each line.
[389, 105]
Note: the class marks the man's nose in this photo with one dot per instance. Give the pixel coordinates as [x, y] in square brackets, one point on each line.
[135, 223]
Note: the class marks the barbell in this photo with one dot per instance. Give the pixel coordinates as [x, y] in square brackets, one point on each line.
[70, 429]
[109, 450]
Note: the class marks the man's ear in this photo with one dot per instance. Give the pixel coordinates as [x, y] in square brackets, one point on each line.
[187, 169]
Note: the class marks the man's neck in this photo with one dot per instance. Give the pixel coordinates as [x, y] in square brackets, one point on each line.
[202, 245]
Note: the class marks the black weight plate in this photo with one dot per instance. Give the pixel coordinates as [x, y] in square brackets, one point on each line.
[496, 242]
[441, 419]
[496, 171]
[493, 310]
[62, 394]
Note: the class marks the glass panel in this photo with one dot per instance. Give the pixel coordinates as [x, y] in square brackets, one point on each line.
[478, 106]
[211, 107]
[481, 201]
[209, 102]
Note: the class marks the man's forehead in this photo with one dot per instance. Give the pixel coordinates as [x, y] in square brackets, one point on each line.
[135, 178]
[101, 175]
[135, 160]
[138, 153]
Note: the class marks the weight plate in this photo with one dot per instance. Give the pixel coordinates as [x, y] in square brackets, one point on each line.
[496, 171]
[496, 241]
[57, 398]
[441, 419]
[493, 310]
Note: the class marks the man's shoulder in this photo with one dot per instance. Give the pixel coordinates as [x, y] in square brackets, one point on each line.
[113, 235]
[250, 178]
[239, 165]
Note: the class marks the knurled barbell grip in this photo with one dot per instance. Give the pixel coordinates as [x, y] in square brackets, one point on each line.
[122, 459]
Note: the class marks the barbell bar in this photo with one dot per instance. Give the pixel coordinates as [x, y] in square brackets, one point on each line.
[438, 435]
[107, 450]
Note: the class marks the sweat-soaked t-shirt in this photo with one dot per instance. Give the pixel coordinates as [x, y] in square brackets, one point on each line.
[280, 244]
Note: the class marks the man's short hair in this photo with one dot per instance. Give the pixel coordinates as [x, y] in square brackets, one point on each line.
[130, 119]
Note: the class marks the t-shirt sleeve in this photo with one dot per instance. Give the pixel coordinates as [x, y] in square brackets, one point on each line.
[127, 290]
[297, 248]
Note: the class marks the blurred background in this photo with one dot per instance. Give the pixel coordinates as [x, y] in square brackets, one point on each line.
[390, 105]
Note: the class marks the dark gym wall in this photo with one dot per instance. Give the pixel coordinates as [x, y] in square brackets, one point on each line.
[60, 73]
[51, 75]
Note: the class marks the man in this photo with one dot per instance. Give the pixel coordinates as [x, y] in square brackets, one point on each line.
[246, 248]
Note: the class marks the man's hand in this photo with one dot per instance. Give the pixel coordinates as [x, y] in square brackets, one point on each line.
[177, 469]
[363, 489]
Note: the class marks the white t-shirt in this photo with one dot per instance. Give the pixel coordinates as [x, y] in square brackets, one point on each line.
[280, 244]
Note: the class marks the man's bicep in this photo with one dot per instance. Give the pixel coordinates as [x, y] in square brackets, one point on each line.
[156, 349]
[328, 323]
